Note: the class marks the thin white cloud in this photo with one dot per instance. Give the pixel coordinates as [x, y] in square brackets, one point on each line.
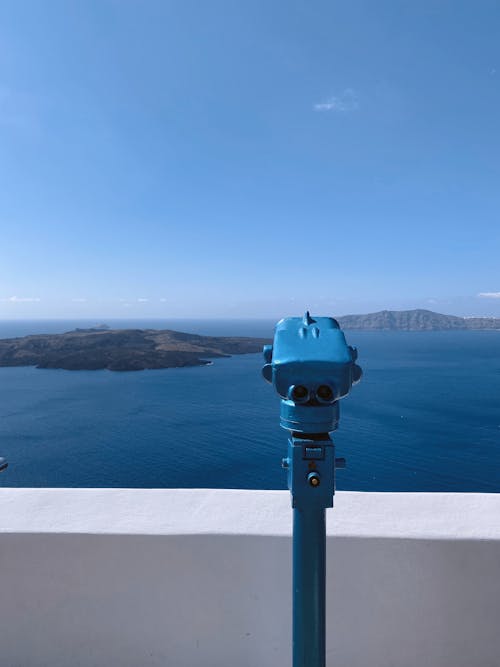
[79, 300]
[142, 300]
[489, 295]
[21, 299]
[346, 101]
[163, 299]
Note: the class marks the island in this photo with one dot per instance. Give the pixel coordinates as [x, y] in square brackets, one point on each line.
[416, 320]
[121, 349]
[138, 349]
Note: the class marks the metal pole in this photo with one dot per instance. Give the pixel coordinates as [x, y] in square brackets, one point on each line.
[309, 579]
[311, 367]
[311, 480]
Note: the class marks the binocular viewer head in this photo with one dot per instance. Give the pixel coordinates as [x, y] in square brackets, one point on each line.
[311, 367]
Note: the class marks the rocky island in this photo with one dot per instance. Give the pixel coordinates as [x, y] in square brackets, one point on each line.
[121, 349]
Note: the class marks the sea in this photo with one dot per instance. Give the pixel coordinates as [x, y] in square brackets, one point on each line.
[425, 417]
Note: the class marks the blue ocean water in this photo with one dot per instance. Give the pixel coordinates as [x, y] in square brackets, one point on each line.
[426, 417]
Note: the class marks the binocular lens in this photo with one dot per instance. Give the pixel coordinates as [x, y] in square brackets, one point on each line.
[299, 392]
[324, 393]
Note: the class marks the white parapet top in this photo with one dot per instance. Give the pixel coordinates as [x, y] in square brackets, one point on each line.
[184, 578]
[243, 512]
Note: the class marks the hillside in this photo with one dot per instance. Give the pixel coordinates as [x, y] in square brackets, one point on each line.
[415, 320]
[121, 350]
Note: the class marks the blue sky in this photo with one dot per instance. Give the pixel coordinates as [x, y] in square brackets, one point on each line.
[228, 159]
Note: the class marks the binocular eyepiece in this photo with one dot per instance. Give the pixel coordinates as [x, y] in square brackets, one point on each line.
[323, 394]
[311, 367]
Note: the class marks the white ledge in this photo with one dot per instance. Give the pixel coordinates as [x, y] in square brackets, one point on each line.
[240, 512]
[127, 577]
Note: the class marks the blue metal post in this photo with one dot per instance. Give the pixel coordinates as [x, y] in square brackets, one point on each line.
[311, 480]
[309, 574]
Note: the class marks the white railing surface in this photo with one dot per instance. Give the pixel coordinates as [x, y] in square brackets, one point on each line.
[187, 578]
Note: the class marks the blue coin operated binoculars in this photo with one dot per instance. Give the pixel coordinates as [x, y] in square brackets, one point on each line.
[311, 367]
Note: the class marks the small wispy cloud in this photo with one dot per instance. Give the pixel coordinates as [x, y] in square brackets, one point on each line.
[79, 300]
[21, 299]
[163, 300]
[142, 300]
[346, 101]
[489, 295]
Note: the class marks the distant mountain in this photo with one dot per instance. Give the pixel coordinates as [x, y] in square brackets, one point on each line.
[416, 320]
[97, 327]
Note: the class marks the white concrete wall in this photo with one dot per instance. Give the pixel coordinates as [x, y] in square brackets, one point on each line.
[181, 578]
